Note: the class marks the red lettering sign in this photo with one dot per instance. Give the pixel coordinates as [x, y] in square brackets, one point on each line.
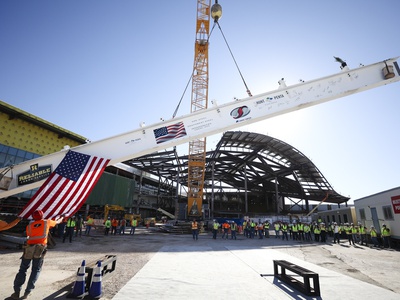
[396, 204]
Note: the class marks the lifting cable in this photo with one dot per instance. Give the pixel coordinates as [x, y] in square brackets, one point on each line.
[190, 79]
[226, 42]
[233, 57]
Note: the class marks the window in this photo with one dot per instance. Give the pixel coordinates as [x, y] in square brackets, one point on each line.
[327, 217]
[362, 213]
[12, 151]
[333, 218]
[345, 218]
[387, 212]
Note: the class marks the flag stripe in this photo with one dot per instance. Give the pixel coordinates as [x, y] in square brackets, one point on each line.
[67, 188]
[47, 205]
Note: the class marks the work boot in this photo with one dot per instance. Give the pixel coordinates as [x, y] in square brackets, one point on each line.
[26, 295]
[15, 295]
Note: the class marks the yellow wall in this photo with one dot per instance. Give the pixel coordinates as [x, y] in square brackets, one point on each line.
[29, 137]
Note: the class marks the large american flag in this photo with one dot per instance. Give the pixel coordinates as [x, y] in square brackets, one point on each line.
[68, 187]
[169, 132]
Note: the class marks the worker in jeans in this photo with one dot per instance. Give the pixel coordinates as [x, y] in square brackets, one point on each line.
[34, 252]
[195, 230]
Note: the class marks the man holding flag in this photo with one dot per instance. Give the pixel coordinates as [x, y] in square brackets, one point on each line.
[63, 193]
[34, 252]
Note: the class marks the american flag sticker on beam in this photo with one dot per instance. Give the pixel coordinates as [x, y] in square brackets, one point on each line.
[170, 132]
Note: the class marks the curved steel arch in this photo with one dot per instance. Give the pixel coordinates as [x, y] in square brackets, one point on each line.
[267, 165]
[262, 167]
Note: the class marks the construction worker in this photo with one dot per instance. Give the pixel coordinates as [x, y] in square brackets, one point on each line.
[225, 228]
[295, 230]
[234, 228]
[78, 226]
[61, 227]
[69, 229]
[215, 229]
[122, 226]
[89, 224]
[246, 228]
[374, 236]
[133, 226]
[260, 229]
[363, 234]
[307, 232]
[330, 229]
[107, 226]
[284, 228]
[35, 250]
[277, 227]
[266, 229]
[385, 232]
[252, 229]
[317, 233]
[195, 230]
[114, 225]
[349, 230]
[322, 228]
[300, 227]
[336, 233]
[354, 232]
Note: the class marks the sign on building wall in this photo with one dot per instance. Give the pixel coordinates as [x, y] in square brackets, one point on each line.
[396, 204]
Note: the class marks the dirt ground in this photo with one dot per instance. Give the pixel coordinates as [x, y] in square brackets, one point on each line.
[378, 267]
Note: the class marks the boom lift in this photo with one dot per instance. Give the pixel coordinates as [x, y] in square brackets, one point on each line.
[205, 122]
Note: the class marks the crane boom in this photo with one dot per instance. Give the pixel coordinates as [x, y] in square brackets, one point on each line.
[202, 123]
[199, 101]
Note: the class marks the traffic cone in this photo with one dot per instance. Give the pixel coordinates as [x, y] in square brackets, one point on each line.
[95, 288]
[78, 291]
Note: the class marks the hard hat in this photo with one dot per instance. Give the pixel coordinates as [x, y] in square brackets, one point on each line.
[37, 215]
[383, 224]
[372, 226]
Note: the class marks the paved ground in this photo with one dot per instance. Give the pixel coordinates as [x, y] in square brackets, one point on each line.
[152, 264]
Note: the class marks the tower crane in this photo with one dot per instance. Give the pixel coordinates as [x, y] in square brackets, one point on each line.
[199, 101]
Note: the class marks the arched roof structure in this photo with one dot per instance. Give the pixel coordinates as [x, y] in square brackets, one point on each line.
[253, 163]
[263, 160]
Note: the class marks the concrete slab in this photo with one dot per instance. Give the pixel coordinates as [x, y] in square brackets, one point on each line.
[206, 272]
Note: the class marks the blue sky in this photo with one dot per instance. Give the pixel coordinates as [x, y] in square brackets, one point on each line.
[99, 68]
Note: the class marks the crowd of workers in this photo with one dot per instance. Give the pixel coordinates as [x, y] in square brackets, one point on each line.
[73, 226]
[316, 231]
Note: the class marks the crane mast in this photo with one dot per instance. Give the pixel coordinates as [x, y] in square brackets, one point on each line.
[199, 101]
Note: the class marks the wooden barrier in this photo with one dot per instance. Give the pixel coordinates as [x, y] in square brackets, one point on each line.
[302, 286]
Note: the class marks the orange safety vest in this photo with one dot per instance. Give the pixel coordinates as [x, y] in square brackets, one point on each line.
[38, 231]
